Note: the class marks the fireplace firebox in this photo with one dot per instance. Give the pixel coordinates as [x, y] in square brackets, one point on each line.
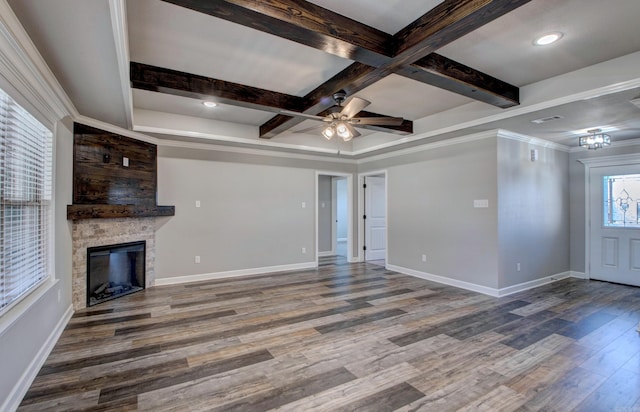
[114, 271]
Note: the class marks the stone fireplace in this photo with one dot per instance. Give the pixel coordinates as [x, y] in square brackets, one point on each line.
[115, 190]
[91, 233]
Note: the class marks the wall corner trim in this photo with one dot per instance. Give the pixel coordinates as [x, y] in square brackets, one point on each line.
[235, 273]
[22, 386]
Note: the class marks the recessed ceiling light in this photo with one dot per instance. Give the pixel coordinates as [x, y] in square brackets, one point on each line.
[210, 104]
[548, 39]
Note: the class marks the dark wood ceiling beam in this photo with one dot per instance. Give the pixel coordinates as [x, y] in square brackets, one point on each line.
[450, 75]
[158, 79]
[442, 25]
[314, 26]
[304, 23]
[446, 23]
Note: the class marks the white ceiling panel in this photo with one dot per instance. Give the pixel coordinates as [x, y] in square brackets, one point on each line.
[389, 16]
[169, 36]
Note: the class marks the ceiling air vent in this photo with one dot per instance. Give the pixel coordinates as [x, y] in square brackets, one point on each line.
[546, 119]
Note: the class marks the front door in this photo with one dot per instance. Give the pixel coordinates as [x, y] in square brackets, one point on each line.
[376, 221]
[615, 225]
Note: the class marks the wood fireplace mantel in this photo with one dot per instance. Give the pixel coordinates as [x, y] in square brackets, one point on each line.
[79, 212]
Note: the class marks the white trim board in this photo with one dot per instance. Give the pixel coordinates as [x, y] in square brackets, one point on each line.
[22, 386]
[509, 290]
[234, 273]
[327, 253]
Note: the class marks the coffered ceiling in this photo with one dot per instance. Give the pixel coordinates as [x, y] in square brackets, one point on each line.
[449, 68]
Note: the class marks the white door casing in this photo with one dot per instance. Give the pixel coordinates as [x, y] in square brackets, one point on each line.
[614, 252]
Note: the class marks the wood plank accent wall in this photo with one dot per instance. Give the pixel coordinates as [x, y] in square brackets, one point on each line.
[99, 176]
[103, 187]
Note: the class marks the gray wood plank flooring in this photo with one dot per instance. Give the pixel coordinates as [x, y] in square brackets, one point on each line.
[348, 337]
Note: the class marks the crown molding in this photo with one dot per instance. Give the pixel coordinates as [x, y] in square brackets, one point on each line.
[25, 69]
[622, 143]
[98, 124]
[118, 10]
[262, 143]
[506, 134]
[615, 160]
[431, 146]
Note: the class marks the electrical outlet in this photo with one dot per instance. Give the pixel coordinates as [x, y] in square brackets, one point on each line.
[518, 267]
[304, 205]
[125, 161]
[197, 203]
[197, 259]
[304, 250]
[424, 258]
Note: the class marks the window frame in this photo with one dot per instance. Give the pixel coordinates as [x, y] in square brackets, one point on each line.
[46, 247]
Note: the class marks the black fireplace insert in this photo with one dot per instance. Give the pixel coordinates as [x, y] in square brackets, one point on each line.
[114, 271]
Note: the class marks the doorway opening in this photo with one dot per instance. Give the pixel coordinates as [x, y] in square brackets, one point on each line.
[334, 213]
[372, 198]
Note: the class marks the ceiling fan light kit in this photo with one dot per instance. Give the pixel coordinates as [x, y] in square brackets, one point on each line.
[341, 118]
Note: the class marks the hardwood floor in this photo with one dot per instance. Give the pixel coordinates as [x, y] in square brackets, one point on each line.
[348, 337]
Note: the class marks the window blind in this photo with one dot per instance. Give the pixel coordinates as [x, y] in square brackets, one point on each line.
[25, 201]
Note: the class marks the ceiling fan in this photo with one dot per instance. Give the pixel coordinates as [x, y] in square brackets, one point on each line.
[342, 119]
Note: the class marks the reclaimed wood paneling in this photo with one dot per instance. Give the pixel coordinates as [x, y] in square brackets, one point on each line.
[99, 176]
[103, 186]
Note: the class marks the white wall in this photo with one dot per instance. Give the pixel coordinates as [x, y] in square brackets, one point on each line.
[341, 208]
[533, 212]
[325, 226]
[430, 211]
[251, 213]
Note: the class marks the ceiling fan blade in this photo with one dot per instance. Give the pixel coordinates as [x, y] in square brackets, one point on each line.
[306, 116]
[352, 130]
[354, 106]
[377, 121]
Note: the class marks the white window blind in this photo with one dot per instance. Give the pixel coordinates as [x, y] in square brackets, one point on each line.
[25, 202]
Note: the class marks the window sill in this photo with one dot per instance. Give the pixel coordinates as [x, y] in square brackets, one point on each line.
[12, 313]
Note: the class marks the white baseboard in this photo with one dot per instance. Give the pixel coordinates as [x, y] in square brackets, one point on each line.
[578, 275]
[234, 273]
[445, 280]
[484, 289]
[325, 254]
[22, 386]
[509, 290]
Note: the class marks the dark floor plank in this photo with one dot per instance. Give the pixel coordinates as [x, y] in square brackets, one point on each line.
[291, 393]
[389, 399]
[537, 333]
[361, 320]
[587, 325]
[158, 381]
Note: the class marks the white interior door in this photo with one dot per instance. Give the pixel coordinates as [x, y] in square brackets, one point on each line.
[376, 221]
[615, 228]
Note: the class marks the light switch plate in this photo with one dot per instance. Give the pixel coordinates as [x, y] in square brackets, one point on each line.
[481, 203]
